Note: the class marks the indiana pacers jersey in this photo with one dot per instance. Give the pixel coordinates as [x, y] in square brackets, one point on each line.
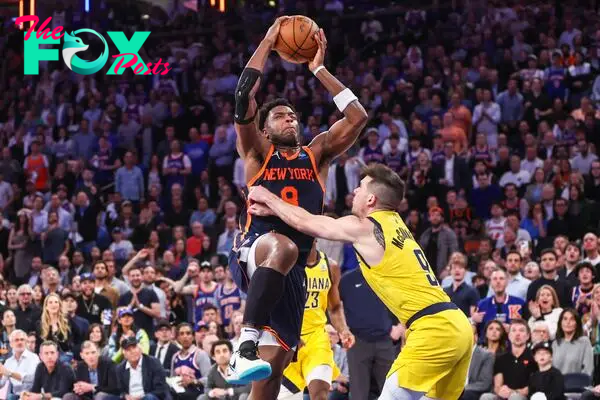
[403, 279]
[296, 180]
[318, 283]
[439, 339]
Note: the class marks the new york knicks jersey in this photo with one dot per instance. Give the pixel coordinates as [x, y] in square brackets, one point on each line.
[403, 280]
[296, 180]
[318, 283]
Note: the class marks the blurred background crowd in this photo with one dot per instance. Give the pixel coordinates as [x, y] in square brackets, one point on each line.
[120, 194]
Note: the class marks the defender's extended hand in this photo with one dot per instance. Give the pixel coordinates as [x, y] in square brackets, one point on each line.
[260, 210]
[258, 194]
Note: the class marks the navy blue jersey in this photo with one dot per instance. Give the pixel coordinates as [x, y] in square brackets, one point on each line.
[187, 361]
[296, 180]
[229, 301]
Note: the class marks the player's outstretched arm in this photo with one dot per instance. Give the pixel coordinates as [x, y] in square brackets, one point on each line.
[336, 308]
[344, 133]
[246, 108]
[346, 229]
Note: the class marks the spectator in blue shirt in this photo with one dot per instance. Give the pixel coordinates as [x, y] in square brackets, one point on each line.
[129, 180]
[197, 150]
[500, 306]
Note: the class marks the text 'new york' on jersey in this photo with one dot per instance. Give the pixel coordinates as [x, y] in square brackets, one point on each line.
[295, 178]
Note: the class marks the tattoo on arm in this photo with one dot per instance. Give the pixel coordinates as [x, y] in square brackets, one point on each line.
[379, 235]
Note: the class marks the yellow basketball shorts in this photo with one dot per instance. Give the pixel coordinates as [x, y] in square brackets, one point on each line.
[315, 352]
[437, 354]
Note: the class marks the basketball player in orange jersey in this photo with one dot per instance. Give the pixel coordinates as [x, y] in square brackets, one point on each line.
[269, 257]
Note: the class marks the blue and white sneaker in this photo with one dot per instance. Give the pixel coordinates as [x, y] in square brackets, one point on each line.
[245, 366]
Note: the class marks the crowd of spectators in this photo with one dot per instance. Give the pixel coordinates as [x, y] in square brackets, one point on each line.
[120, 195]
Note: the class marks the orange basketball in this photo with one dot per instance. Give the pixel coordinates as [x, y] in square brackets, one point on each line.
[296, 42]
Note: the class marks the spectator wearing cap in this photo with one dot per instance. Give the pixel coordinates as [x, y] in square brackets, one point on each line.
[95, 376]
[52, 378]
[513, 369]
[140, 376]
[164, 349]
[126, 328]
[191, 363]
[202, 290]
[142, 301]
[92, 306]
[20, 367]
[438, 241]
[572, 348]
[129, 180]
[548, 381]
[581, 293]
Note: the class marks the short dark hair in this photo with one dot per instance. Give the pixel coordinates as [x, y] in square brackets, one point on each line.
[548, 251]
[516, 253]
[386, 184]
[184, 325]
[221, 342]
[263, 113]
[209, 306]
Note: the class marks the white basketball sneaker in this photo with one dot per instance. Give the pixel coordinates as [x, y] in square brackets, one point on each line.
[245, 366]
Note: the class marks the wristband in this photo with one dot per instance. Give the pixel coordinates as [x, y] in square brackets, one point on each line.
[343, 98]
[320, 67]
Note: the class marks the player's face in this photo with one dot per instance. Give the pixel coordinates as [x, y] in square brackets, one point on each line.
[281, 126]
[362, 197]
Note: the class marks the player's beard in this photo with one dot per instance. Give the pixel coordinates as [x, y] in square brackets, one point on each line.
[282, 140]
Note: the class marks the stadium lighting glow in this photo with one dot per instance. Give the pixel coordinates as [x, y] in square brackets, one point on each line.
[222, 5]
[271, 3]
[31, 9]
[213, 3]
[87, 6]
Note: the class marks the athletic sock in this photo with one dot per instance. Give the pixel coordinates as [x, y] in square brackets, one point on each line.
[248, 334]
[265, 289]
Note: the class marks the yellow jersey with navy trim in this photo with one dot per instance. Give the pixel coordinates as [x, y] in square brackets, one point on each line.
[403, 279]
[318, 283]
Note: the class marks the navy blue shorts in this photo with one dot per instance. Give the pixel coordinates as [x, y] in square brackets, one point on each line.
[286, 319]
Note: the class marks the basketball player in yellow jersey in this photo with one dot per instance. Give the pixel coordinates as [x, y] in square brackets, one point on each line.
[314, 366]
[435, 359]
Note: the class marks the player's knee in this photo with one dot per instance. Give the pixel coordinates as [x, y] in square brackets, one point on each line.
[276, 251]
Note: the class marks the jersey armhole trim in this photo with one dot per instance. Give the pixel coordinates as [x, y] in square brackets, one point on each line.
[314, 165]
[262, 168]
